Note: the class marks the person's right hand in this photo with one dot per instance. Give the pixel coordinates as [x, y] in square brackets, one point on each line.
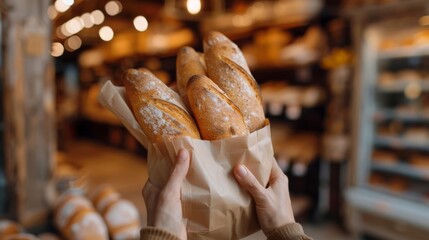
[273, 205]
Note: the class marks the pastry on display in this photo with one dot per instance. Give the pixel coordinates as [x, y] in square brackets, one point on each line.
[121, 216]
[419, 161]
[8, 227]
[306, 49]
[122, 219]
[421, 38]
[409, 75]
[384, 156]
[418, 135]
[397, 184]
[312, 96]
[279, 95]
[377, 179]
[104, 195]
[387, 44]
[386, 78]
[76, 218]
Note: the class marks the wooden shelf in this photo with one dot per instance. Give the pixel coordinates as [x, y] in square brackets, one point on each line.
[404, 52]
[408, 117]
[383, 202]
[403, 169]
[401, 143]
[400, 85]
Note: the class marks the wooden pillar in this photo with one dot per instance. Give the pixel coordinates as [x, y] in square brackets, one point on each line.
[29, 110]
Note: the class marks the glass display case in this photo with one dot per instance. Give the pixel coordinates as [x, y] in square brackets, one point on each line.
[388, 193]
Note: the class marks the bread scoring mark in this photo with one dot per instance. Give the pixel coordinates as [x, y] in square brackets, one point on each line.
[157, 122]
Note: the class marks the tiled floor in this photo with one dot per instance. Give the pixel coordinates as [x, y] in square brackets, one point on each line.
[128, 173]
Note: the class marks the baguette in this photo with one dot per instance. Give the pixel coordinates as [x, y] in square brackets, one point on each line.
[227, 67]
[157, 108]
[216, 115]
[188, 64]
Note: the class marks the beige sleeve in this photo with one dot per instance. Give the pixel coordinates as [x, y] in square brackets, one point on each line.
[152, 233]
[291, 231]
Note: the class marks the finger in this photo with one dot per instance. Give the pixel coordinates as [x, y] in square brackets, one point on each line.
[276, 171]
[149, 190]
[179, 172]
[277, 175]
[150, 196]
[246, 179]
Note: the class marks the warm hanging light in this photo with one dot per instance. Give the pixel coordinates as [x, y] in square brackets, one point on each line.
[52, 13]
[113, 8]
[193, 6]
[67, 2]
[60, 33]
[106, 33]
[74, 26]
[140, 23]
[98, 17]
[60, 6]
[88, 20]
[73, 43]
[57, 49]
[64, 30]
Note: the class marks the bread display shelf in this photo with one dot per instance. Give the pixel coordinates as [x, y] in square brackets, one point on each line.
[401, 169]
[400, 143]
[401, 84]
[410, 194]
[408, 117]
[374, 199]
[404, 52]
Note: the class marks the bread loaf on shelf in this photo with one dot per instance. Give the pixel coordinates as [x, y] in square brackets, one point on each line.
[76, 219]
[122, 219]
[158, 109]
[8, 228]
[227, 67]
[104, 195]
[216, 115]
[188, 63]
[121, 216]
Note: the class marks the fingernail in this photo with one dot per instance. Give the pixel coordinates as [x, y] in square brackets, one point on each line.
[183, 154]
[241, 171]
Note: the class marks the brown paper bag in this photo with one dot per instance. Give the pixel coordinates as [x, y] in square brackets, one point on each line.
[214, 205]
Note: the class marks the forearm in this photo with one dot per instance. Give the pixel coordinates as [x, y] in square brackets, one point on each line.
[291, 231]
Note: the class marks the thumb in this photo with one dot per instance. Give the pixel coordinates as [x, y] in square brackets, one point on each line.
[248, 181]
[179, 172]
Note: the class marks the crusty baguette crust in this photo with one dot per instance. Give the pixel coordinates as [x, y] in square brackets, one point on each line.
[218, 44]
[216, 115]
[227, 67]
[158, 109]
[188, 64]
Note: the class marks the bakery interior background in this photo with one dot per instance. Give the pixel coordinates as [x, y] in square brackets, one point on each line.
[344, 84]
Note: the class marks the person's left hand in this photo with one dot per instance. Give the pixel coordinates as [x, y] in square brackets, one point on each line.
[164, 206]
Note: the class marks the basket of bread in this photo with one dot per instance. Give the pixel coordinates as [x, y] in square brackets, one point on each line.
[217, 115]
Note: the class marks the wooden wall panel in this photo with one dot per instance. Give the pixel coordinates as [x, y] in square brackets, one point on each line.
[29, 109]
